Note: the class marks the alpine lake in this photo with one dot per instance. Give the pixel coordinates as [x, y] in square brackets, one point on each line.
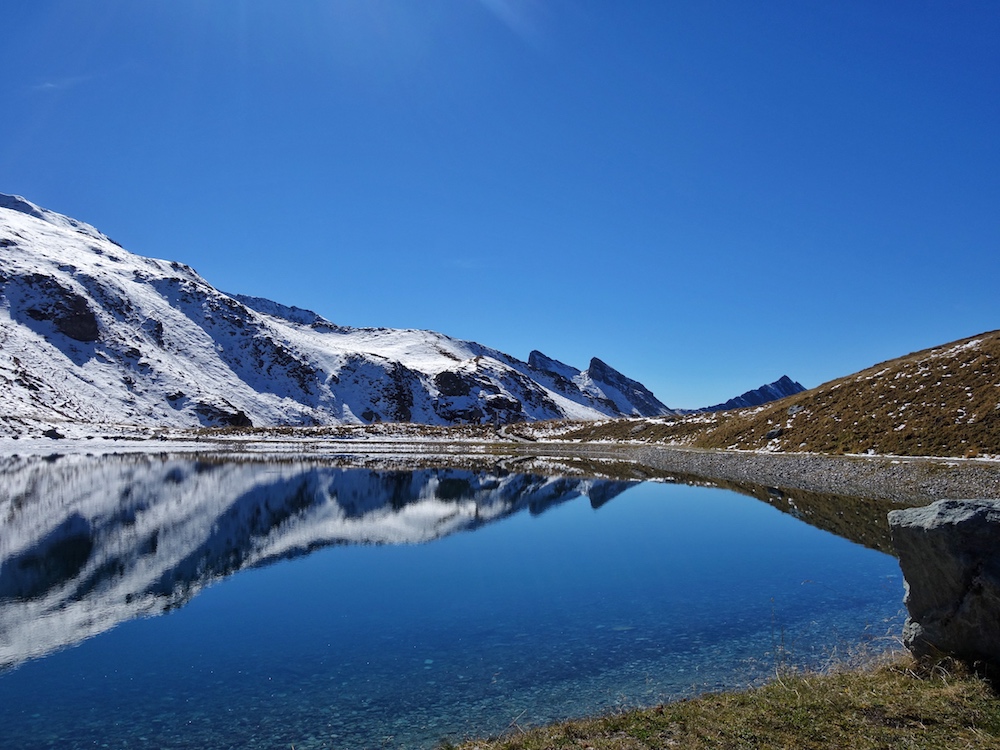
[172, 602]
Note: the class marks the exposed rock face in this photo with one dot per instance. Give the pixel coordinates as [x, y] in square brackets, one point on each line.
[52, 302]
[554, 367]
[630, 392]
[950, 556]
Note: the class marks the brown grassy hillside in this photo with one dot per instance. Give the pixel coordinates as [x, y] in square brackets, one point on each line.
[943, 401]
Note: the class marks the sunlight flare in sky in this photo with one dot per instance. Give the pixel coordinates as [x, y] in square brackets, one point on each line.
[705, 195]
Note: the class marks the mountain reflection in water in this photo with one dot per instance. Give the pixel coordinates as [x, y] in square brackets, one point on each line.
[90, 543]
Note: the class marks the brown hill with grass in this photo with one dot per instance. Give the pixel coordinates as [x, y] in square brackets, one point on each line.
[943, 401]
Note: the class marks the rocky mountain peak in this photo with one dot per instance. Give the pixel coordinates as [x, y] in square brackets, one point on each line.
[625, 392]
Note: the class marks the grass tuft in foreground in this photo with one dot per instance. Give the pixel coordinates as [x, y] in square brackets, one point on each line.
[893, 705]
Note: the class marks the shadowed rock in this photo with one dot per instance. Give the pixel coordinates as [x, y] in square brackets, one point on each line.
[68, 311]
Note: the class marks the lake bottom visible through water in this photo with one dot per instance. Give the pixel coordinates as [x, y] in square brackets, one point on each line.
[666, 591]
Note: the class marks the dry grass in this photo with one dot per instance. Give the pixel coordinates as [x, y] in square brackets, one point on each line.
[937, 402]
[676, 431]
[894, 705]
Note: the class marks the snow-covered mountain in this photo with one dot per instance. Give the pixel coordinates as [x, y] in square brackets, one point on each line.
[90, 543]
[92, 333]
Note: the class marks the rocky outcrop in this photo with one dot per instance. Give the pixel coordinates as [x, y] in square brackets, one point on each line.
[562, 372]
[51, 302]
[948, 552]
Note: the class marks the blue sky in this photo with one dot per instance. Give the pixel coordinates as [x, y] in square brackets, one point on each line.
[706, 195]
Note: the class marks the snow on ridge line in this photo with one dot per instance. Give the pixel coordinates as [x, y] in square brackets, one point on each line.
[24, 206]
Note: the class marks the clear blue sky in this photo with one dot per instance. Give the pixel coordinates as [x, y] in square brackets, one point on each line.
[706, 195]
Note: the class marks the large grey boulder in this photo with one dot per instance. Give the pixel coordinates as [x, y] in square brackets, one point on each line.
[949, 552]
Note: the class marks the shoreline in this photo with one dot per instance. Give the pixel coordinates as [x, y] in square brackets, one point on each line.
[899, 479]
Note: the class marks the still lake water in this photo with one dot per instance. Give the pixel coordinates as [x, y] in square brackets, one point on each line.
[174, 604]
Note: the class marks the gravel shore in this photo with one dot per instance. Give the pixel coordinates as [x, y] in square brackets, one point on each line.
[916, 481]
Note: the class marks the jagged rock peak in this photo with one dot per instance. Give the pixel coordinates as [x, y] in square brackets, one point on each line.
[626, 392]
[603, 371]
[620, 394]
[539, 361]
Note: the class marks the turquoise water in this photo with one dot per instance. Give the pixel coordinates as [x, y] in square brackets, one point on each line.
[523, 618]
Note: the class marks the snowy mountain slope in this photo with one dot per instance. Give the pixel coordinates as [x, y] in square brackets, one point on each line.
[91, 543]
[94, 334]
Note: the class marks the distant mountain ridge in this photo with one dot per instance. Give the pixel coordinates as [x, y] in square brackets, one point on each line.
[943, 401]
[90, 333]
[780, 388]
